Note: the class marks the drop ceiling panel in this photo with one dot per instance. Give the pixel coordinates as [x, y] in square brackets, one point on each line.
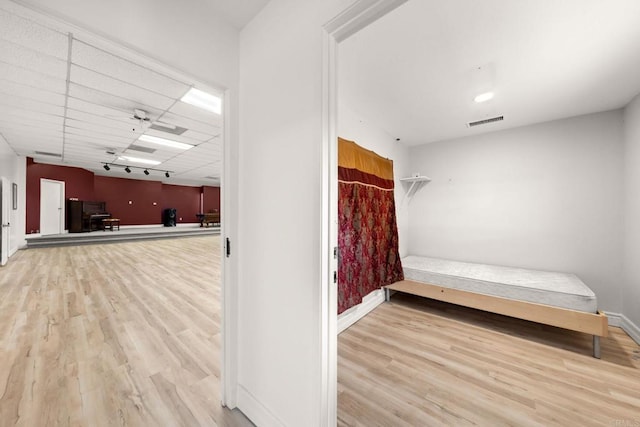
[98, 60]
[35, 94]
[94, 80]
[10, 113]
[123, 131]
[98, 142]
[84, 133]
[28, 59]
[195, 113]
[178, 138]
[28, 127]
[105, 99]
[187, 123]
[197, 136]
[30, 105]
[106, 122]
[32, 78]
[32, 35]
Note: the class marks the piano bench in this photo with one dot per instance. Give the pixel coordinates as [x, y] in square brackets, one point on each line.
[109, 223]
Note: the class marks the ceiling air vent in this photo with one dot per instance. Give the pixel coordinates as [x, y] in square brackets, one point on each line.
[44, 153]
[142, 149]
[485, 121]
[167, 127]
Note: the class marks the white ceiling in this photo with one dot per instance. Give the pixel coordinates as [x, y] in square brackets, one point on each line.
[238, 12]
[416, 71]
[82, 121]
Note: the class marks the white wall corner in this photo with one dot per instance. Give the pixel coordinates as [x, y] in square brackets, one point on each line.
[623, 322]
[368, 304]
[259, 414]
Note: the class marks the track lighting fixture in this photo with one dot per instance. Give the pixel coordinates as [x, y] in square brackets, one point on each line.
[106, 167]
[127, 169]
[167, 174]
[146, 171]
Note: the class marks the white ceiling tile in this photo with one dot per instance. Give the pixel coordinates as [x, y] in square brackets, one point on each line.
[30, 105]
[35, 94]
[195, 113]
[32, 35]
[32, 78]
[27, 127]
[123, 131]
[31, 117]
[108, 100]
[190, 124]
[82, 133]
[28, 59]
[94, 80]
[197, 136]
[105, 63]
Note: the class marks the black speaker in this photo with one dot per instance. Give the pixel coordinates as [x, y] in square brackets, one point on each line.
[169, 217]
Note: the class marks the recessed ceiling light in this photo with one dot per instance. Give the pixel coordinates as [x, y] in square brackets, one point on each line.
[203, 100]
[138, 160]
[483, 97]
[165, 142]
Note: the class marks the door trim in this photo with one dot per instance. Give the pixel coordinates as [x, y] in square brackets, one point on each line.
[354, 18]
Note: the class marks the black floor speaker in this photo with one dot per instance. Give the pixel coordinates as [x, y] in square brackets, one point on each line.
[169, 217]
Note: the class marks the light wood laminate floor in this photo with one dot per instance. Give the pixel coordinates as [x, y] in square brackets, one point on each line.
[418, 362]
[113, 335]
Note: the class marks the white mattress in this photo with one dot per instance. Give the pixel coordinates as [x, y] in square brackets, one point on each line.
[542, 287]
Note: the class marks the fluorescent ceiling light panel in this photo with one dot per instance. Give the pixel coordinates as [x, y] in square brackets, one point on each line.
[165, 142]
[139, 160]
[483, 97]
[203, 100]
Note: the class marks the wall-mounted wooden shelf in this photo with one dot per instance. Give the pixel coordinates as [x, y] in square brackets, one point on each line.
[416, 182]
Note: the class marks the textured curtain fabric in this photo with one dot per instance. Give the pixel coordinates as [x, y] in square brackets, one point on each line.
[368, 233]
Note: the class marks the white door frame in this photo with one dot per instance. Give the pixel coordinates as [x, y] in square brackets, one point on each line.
[6, 192]
[62, 207]
[354, 18]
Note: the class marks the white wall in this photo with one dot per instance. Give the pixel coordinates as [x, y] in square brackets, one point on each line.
[631, 289]
[280, 212]
[13, 168]
[547, 196]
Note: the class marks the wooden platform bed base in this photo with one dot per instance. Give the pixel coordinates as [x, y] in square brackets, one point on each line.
[595, 324]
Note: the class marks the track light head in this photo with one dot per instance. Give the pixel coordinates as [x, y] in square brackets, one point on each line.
[146, 171]
[106, 167]
[127, 169]
[167, 174]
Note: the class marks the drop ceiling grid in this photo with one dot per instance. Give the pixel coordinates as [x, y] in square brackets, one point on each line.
[32, 35]
[28, 59]
[104, 90]
[19, 90]
[95, 59]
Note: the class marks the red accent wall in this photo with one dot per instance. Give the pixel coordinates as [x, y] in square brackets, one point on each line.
[117, 192]
[186, 201]
[211, 199]
[78, 183]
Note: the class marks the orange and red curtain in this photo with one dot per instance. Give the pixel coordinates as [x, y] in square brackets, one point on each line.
[367, 229]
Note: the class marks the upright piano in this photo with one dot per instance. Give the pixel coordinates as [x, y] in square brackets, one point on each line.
[83, 216]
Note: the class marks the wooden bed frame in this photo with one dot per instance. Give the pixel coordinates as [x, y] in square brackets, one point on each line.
[595, 324]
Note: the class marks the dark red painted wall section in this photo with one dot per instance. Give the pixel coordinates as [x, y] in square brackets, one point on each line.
[211, 199]
[78, 183]
[148, 198]
[130, 200]
[186, 201]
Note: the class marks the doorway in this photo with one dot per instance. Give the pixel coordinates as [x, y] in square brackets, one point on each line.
[358, 16]
[5, 224]
[51, 207]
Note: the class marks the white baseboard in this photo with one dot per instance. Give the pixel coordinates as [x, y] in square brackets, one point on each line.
[622, 321]
[256, 411]
[357, 312]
